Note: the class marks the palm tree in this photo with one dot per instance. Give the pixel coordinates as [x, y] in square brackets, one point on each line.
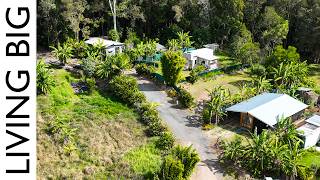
[184, 40]
[63, 53]
[173, 44]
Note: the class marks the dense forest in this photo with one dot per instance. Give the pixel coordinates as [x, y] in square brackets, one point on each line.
[251, 26]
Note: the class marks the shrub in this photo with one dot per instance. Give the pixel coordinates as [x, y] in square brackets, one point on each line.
[114, 35]
[206, 117]
[63, 53]
[126, 89]
[166, 141]
[150, 116]
[172, 93]
[112, 66]
[188, 156]
[257, 70]
[185, 98]
[89, 66]
[143, 69]
[194, 74]
[172, 63]
[172, 169]
[207, 127]
[44, 79]
[156, 128]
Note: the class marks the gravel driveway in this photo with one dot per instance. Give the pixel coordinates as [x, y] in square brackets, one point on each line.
[186, 129]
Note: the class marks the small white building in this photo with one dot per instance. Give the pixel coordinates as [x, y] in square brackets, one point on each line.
[112, 47]
[203, 56]
[310, 131]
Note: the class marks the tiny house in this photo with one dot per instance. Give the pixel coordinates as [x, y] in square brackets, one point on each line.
[112, 47]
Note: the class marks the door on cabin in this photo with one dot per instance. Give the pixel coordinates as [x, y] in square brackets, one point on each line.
[246, 120]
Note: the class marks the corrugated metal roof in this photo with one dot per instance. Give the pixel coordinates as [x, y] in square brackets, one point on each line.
[107, 43]
[269, 107]
[204, 53]
[315, 119]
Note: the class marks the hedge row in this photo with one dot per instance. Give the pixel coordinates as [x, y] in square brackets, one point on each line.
[126, 89]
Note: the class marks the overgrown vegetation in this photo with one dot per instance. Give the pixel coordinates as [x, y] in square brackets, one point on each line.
[275, 153]
[45, 81]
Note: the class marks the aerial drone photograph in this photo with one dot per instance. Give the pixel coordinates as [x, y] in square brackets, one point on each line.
[178, 89]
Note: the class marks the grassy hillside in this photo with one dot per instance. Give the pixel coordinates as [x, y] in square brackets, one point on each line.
[90, 136]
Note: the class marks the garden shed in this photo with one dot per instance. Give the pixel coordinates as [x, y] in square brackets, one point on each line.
[112, 47]
[264, 110]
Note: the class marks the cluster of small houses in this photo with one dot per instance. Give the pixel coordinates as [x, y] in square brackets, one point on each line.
[203, 56]
[260, 112]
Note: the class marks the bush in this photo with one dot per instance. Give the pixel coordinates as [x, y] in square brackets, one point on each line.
[257, 70]
[206, 118]
[89, 66]
[185, 98]
[126, 89]
[44, 79]
[63, 53]
[79, 48]
[172, 169]
[143, 69]
[156, 128]
[172, 63]
[207, 127]
[188, 156]
[114, 35]
[112, 66]
[166, 141]
[172, 93]
[194, 74]
[150, 116]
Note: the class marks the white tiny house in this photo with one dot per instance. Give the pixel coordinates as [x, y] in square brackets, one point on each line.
[112, 47]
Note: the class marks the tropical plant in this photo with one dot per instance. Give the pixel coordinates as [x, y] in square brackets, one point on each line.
[173, 44]
[185, 98]
[112, 66]
[172, 63]
[215, 107]
[63, 53]
[188, 156]
[184, 40]
[45, 81]
[144, 69]
[172, 168]
[274, 152]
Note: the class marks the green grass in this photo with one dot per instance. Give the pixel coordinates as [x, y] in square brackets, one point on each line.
[310, 157]
[144, 159]
[225, 61]
[315, 75]
[85, 136]
[229, 81]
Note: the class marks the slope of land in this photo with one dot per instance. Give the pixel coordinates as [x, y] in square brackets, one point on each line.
[90, 136]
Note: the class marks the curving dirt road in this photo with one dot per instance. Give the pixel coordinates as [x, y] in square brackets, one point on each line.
[186, 129]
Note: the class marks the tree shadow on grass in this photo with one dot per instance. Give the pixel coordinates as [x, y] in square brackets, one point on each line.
[240, 83]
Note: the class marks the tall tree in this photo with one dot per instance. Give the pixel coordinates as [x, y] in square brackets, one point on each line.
[274, 29]
[74, 14]
[226, 17]
[113, 8]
